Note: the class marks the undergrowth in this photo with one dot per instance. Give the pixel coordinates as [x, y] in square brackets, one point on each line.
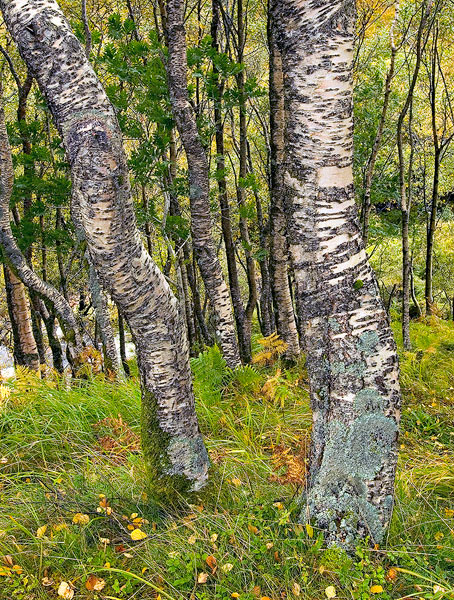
[76, 520]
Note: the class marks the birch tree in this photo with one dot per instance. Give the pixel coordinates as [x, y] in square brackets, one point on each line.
[199, 184]
[351, 355]
[172, 443]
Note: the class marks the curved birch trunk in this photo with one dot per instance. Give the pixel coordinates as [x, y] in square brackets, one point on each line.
[279, 256]
[199, 185]
[25, 348]
[172, 443]
[351, 356]
[16, 259]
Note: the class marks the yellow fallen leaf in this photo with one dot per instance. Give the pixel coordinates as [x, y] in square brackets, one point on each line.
[4, 572]
[236, 482]
[296, 589]
[449, 512]
[192, 539]
[253, 529]
[41, 531]
[330, 591]
[138, 535]
[202, 578]
[65, 591]
[376, 589]
[235, 595]
[309, 530]
[213, 537]
[80, 519]
[18, 569]
[227, 568]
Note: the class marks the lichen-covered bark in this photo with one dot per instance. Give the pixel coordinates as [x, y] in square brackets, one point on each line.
[15, 258]
[351, 356]
[279, 256]
[199, 184]
[25, 349]
[86, 120]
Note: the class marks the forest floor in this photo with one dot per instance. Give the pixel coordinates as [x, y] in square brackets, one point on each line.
[76, 519]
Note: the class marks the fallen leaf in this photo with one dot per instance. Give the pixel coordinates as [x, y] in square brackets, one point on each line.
[80, 519]
[192, 539]
[212, 563]
[391, 575]
[253, 529]
[65, 591]
[227, 567]
[138, 535]
[47, 582]
[309, 530]
[202, 578]
[94, 583]
[296, 589]
[235, 595]
[8, 560]
[376, 589]
[41, 531]
[330, 591]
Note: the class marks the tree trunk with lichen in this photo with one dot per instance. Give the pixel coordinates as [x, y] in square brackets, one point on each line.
[351, 356]
[279, 256]
[199, 184]
[172, 443]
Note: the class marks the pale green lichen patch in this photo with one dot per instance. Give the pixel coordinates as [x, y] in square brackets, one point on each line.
[368, 341]
[368, 400]
[356, 368]
[354, 454]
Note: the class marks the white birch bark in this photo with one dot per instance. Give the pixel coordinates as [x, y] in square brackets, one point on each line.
[351, 355]
[172, 443]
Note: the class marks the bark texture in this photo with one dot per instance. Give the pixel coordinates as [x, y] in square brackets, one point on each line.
[279, 256]
[86, 120]
[351, 356]
[199, 184]
[25, 349]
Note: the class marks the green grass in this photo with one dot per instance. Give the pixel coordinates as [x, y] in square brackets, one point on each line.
[63, 449]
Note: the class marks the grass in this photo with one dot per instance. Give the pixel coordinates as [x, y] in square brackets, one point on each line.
[72, 491]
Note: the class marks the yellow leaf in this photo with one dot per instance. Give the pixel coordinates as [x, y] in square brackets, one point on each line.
[227, 567]
[330, 591]
[80, 519]
[449, 512]
[4, 572]
[213, 537]
[376, 589]
[107, 565]
[17, 569]
[296, 589]
[192, 539]
[41, 531]
[138, 535]
[235, 595]
[253, 529]
[202, 578]
[134, 516]
[236, 482]
[65, 591]
[309, 530]
[439, 536]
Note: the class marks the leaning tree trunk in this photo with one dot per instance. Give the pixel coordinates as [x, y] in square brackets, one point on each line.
[199, 184]
[351, 355]
[173, 446]
[14, 256]
[25, 349]
[279, 257]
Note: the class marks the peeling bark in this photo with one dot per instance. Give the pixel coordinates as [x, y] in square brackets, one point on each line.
[172, 443]
[199, 192]
[351, 356]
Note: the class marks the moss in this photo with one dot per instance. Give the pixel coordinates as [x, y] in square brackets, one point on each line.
[162, 452]
[358, 284]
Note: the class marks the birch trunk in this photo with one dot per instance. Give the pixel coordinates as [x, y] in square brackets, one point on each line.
[199, 184]
[172, 443]
[351, 356]
[112, 362]
[25, 349]
[279, 256]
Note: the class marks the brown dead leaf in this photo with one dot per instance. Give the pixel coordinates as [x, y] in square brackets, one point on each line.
[94, 583]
